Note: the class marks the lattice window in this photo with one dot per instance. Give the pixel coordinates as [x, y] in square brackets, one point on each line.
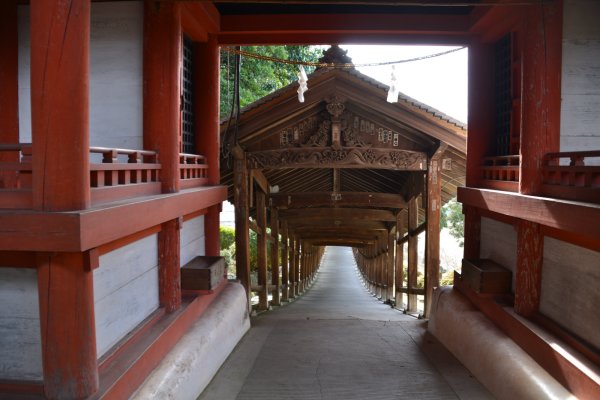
[503, 96]
[188, 136]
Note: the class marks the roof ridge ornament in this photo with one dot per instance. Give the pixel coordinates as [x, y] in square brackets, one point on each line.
[335, 55]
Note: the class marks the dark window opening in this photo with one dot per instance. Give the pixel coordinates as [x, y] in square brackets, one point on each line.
[188, 136]
[503, 96]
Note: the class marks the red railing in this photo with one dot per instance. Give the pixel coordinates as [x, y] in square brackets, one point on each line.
[501, 173]
[576, 181]
[15, 176]
[193, 170]
[123, 174]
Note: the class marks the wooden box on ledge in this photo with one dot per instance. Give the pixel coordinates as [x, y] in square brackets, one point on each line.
[202, 273]
[486, 276]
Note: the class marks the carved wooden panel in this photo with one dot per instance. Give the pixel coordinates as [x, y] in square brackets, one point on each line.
[345, 157]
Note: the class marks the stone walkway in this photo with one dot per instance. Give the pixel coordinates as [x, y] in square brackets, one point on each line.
[339, 342]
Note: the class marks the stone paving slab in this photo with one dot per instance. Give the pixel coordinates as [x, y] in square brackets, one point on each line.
[337, 341]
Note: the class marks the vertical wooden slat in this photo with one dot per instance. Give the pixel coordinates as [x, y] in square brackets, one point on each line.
[413, 215]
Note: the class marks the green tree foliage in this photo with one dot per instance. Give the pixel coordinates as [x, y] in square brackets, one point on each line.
[453, 219]
[227, 236]
[258, 78]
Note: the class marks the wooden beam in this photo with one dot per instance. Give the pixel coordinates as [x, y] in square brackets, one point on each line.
[342, 199]
[260, 179]
[329, 224]
[340, 213]
[577, 218]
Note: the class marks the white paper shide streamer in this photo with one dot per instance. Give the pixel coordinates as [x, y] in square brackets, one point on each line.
[393, 92]
[303, 82]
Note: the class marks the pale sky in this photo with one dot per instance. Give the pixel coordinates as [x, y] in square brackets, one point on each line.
[439, 82]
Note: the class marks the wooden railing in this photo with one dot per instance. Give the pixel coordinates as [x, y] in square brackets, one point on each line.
[576, 181]
[193, 170]
[15, 176]
[123, 174]
[501, 173]
[115, 174]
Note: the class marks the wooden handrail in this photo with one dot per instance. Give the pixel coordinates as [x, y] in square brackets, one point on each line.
[109, 155]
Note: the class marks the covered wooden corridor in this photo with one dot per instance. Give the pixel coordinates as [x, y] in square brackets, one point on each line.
[337, 341]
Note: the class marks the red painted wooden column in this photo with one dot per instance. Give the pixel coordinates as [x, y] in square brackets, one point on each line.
[399, 276]
[391, 262]
[542, 58]
[530, 257]
[60, 32]
[162, 54]
[472, 233]
[481, 109]
[65, 284]
[9, 87]
[207, 130]
[292, 261]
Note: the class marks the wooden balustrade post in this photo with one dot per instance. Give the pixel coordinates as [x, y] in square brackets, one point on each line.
[9, 87]
[413, 214]
[276, 298]
[284, 262]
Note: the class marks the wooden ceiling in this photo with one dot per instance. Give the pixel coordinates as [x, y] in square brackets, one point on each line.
[385, 147]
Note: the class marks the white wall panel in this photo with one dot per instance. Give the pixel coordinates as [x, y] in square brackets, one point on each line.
[499, 242]
[570, 282]
[20, 338]
[125, 290]
[116, 74]
[580, 77]
[192, 239]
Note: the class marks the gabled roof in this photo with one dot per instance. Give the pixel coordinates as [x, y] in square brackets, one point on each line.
[420, 128]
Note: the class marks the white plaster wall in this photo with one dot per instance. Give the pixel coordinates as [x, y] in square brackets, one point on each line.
[20, 337]
[499, 242]
[192, 240]
[116, 74]
[570, 294]
[125, 290]
[580, 109]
